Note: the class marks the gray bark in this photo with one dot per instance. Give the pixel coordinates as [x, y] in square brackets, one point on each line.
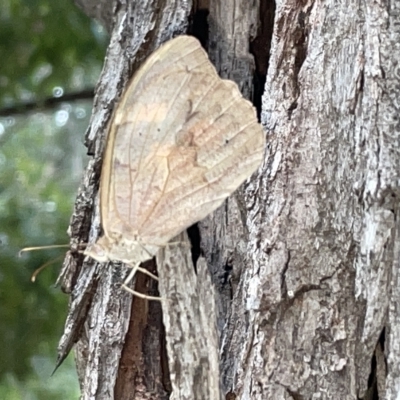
[320, 292]
[100, 10]
[304, 258]
[119, 340]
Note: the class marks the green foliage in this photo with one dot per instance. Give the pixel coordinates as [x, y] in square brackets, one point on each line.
[40, 169]
[46, 47]
[45, 44]
[40, 384]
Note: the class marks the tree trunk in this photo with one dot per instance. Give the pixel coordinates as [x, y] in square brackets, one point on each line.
[303, 258]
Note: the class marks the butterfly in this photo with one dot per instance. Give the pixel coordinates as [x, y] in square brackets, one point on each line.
[181, 140]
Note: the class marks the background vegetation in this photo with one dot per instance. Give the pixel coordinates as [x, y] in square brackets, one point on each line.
[47, 49]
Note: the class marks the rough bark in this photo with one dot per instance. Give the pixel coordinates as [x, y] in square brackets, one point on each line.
[304, 258]
[189, 315]
[119, 340]
[100, 10]
[320, 290]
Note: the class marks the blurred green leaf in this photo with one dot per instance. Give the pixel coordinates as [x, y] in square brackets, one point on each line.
[41, 166]
[47, 48]
[41, 384]
[45, 45]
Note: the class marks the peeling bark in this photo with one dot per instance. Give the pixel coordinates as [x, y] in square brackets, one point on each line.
[119, 340]
[303, 259]
[321, 283]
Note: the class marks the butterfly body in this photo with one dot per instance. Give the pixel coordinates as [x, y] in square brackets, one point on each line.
[121, 249]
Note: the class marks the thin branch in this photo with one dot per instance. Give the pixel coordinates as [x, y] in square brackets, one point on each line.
[47, 103]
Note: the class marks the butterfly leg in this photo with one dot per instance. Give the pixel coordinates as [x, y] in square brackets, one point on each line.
[130, 277]
[141, 295]
[147, 272]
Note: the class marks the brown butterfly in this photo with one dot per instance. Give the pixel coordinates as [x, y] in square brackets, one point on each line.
[181, 141]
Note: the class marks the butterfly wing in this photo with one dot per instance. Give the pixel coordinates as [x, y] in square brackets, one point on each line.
[182, 141]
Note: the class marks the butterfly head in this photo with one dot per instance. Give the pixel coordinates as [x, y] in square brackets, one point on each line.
[127, 251]
[99, 251]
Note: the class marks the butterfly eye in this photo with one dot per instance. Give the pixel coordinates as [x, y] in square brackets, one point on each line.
[101, 253]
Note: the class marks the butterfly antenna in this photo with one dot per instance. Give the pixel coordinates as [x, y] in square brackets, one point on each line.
[40, 269]
[53, 246]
